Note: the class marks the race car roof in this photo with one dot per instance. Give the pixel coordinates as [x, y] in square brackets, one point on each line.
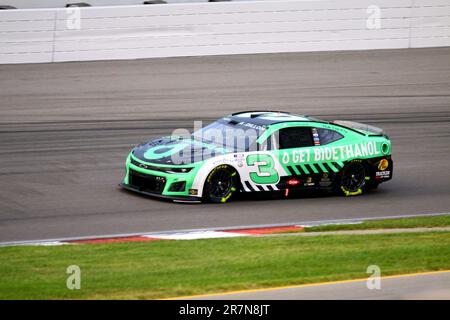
[266, 118]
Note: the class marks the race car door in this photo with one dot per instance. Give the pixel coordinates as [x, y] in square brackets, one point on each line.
[295, 150]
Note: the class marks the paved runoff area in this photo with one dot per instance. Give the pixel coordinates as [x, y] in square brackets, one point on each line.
[431, 285]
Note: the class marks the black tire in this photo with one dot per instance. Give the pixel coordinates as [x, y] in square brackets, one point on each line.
[353, 179]
[221, 184]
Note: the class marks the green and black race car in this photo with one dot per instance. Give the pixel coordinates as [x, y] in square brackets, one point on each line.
[261, 151]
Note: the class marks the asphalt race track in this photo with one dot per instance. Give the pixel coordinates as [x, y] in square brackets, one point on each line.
[66, 128]
[426, 286]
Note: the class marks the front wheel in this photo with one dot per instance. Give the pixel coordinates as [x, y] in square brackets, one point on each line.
[353, 179]
[221, 184]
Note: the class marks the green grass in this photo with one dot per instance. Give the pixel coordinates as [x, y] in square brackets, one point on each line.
[421, 222]
[173, 268]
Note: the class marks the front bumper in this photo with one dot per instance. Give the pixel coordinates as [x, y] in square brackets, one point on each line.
[153, 180]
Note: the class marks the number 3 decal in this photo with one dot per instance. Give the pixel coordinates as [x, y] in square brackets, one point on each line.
[266, 173]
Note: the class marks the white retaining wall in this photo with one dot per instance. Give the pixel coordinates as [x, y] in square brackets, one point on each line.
[35, 4]
[194, 29]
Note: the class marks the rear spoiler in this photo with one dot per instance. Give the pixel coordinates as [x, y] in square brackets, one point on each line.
[361, 128]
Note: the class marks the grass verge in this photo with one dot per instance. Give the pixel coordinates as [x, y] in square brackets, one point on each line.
[173, 268]
[420, 222]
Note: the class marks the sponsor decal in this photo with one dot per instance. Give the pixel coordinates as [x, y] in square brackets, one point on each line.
[382, 166]
[331, 153]
[293, 182]
[298, 156]
[239, 157]
[309, 182]
[251, 125]
[316, 137]
[383, 174]
[325, 180]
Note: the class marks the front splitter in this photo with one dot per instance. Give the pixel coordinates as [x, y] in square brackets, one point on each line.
[177, 199]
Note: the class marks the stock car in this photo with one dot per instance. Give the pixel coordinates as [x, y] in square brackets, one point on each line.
[261, 151]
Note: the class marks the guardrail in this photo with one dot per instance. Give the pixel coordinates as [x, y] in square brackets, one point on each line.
[195, 29]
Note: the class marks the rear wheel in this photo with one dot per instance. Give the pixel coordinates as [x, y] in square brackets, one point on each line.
[221, 184]
[353, 179]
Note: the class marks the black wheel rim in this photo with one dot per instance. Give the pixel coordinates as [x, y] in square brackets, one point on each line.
[353, 178]
[221, 184]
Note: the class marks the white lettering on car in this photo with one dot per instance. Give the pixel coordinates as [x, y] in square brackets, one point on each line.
[331, 153]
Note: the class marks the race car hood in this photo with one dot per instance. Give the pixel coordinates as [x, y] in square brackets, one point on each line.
[176, 151]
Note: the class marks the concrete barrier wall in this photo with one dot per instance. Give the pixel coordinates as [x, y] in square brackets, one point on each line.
[194, 29]
[35, 4]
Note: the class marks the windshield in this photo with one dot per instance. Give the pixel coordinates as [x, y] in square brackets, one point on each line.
[231, 135]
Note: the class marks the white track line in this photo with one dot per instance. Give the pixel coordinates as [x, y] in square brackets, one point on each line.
[194, 235]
